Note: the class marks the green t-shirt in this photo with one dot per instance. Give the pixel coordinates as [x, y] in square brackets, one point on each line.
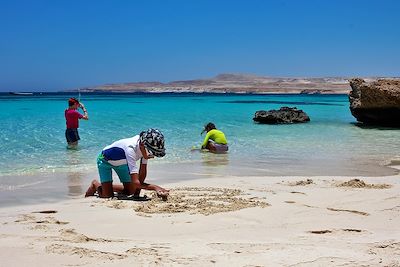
[216, 135]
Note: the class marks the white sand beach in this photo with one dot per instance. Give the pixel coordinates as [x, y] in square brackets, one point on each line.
[229, 221]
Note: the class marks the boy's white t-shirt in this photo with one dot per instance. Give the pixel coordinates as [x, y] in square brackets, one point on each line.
[125, 151]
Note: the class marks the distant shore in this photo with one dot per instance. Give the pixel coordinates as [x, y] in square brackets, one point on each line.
[232, 83]
[166, 93]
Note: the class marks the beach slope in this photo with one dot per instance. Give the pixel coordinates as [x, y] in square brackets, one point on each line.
[229, 221]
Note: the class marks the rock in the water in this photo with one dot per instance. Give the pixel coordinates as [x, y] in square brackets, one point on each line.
[283, 115]
[376, 102]
[310, 92]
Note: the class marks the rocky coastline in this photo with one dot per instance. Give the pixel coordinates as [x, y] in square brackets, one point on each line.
[376, 102]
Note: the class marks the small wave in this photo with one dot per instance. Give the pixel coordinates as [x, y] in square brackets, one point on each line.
[394, 162]
[47, 170]
[16, 187]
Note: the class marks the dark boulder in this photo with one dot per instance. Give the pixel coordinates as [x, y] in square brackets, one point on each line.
[283, 115]
[376, 102]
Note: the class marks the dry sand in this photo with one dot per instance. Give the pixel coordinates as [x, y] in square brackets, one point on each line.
[230, 221]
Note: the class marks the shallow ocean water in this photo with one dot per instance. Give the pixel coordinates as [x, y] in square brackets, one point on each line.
[32, 130]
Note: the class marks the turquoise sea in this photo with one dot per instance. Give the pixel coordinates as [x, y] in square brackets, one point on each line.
[35, 164]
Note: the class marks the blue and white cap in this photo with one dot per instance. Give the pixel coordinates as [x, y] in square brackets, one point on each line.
[153, 140]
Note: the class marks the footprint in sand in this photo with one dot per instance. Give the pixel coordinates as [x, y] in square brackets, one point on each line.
[42, 227]
[351, 211]
[290, 201]
[46, 211]
[301, 183]
[160, 255]
[240, 247]
[296, 192]
[29, 218]
[320, 232]
[71, 236]
[83, 252]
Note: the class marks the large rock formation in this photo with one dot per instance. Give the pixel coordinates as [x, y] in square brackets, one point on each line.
[376, 102]
[283, 115]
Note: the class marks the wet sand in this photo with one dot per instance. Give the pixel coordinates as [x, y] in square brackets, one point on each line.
[50, 187]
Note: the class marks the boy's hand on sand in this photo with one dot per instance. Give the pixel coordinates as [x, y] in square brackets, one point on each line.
[163, 195]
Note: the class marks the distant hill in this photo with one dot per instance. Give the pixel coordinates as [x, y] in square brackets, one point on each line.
[234, 83]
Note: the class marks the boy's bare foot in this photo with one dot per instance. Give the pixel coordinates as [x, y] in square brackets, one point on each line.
[90, 191]
[94, 185]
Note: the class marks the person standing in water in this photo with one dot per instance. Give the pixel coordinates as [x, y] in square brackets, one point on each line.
[72, 117]
[215, 140]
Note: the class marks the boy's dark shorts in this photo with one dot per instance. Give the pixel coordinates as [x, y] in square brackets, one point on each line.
[72, 135]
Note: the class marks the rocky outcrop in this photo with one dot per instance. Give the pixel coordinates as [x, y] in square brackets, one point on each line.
[376, 102]
[316, 92]
[310, 92]
[281, 116]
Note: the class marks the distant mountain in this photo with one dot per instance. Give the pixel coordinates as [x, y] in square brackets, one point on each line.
[234, 83]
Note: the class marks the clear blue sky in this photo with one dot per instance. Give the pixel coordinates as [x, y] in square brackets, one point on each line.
[54, 45]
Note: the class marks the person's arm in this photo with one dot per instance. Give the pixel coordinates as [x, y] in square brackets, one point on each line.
[135, 182]
[142, 171]
[156, 188]
[133, 170]
[85, 114]
[205, 142]
[161, 192]
[142, 175]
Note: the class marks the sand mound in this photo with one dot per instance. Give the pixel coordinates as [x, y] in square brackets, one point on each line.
[70, 235]
[356, 183]
[302, 182]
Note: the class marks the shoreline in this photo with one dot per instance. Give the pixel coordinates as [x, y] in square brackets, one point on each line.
[231, 220]
[60, 186]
